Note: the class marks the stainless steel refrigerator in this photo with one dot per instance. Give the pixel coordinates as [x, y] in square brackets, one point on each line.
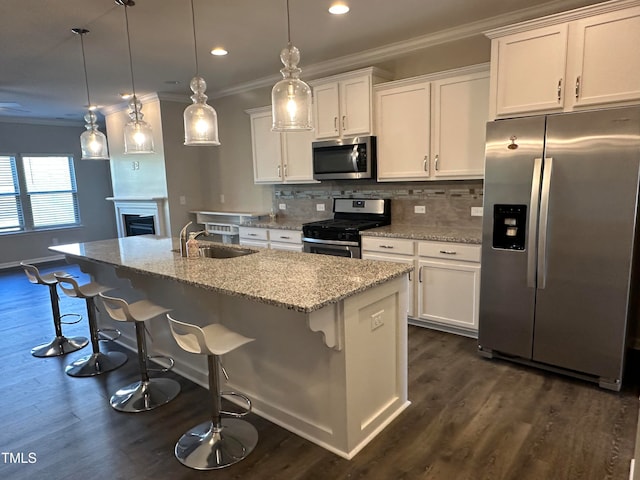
[559, 241]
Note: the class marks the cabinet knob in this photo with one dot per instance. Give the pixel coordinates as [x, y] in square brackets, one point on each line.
[386, 246]
[449, 252]
[285, 170]
[344, 119]
[436, 161]
[425, 163]
[335, 124]
[279, 176]
[420, 274]
[578, 87]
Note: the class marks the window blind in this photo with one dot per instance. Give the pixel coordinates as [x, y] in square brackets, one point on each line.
[11, 219]
[51, 187]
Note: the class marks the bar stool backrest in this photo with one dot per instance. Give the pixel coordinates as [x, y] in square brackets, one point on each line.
[117, 308]
[32, 272]
[69, 286]
[189, 337]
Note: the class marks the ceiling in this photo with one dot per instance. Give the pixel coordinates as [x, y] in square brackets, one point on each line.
[41, 72]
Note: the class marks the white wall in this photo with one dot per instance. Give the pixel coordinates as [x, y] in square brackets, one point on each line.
[93, 181]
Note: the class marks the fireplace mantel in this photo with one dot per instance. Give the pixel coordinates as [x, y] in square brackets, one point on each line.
[152, 206]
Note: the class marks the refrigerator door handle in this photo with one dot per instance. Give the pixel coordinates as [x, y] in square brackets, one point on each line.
[534, 205]
[544, 219]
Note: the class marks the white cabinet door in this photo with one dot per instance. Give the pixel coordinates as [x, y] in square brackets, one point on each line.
[326, 105]
[403, 125]
[297, 157]
[355, 106]
[448, 293]
[461, 110]
[606, 58]
[267, 149]
[400, 259]
[529, 70]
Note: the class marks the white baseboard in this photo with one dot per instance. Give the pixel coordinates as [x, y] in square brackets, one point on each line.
[36, 261]
[631, 469]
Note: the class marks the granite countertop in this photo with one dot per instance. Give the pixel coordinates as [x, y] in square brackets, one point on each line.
[419, 232]
[279, 224]
[304, 282]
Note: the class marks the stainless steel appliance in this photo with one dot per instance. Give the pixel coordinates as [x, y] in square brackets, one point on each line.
[345, 158]
[559, 241]
[340, 235]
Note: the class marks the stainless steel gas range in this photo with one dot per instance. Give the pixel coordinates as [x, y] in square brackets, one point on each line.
[340, 235]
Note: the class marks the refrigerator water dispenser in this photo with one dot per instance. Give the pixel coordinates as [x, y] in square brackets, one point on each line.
[509, 226]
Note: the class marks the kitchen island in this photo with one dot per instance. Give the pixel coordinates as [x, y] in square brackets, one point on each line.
[330, 358]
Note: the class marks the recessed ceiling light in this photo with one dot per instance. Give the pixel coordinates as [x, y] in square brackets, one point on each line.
[338, 9]
[219, 52]
[125, 95]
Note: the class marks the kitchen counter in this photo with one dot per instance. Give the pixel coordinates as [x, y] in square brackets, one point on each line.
[329, 360]
[279, 224]
[265, 276]
[417, 232]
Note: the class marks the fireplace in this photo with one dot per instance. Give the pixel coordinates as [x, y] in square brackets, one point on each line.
[141, 216]
[139, 225]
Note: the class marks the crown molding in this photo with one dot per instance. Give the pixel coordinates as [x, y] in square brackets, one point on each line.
[394, 50]
[51, 122]
[119, 107]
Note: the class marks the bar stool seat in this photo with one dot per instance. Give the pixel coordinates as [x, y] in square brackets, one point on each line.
[218, 442]
[97, 362]
[148, 393]
[60, 345]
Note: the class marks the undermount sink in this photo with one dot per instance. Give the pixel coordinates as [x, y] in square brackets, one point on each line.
[211, 251]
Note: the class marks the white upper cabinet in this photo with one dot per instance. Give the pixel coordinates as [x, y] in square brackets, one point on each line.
[342, 104]
[461, 110]
[530, 70]
[433, 127]
[279, 157]
[583, 58]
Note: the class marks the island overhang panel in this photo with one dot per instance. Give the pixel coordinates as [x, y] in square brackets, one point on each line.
[330, 358]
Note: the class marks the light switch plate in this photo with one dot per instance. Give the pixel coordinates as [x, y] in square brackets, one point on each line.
[419, 209]
[476, 211]
[282, 206]
[320, 207]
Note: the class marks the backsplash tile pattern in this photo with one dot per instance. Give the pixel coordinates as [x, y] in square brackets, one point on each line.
[446, 203]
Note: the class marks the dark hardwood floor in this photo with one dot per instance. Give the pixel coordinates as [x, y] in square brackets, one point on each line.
[470, 418]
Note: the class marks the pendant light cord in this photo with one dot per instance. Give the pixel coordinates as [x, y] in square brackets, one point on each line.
[195, 42]
[133, 85]
[82, 32]
[288, 25]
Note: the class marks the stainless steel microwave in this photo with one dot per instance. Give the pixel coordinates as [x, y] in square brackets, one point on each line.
[345, 158]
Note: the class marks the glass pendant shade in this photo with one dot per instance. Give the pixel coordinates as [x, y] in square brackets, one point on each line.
[291, 97]
[138, 136]
[92, 141]
[200, 119]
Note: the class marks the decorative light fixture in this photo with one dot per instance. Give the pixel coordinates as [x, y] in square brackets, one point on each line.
[138, 137]
[290, 97]
[93, 143]
[200, 119]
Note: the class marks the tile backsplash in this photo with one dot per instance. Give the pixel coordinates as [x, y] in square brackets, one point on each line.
[446, 203]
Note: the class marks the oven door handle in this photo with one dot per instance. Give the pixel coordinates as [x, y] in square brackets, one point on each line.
[330, 242]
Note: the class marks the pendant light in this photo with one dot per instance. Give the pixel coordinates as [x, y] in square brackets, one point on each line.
[138, 137]
[93, 143]
[291, 97]
[200, 119]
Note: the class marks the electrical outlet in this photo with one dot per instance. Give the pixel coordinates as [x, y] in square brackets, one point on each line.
[135, 165]
[377, 320]
[319, 207]
[282, 206]
[419, 209]
[183, 200]
[476, 211]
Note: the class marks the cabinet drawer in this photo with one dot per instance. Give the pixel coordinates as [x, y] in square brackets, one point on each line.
[388, 245]
[285, 236]
[450, 251]
[253, 233]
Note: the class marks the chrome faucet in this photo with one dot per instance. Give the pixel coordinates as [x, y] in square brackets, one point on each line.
[183, 238]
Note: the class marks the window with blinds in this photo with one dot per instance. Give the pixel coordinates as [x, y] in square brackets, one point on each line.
[37, 192]
[11, 219]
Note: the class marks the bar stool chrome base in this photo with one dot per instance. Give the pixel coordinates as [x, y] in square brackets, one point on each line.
[59, 346]
[143, 396]
[204, 448]
[95, 364]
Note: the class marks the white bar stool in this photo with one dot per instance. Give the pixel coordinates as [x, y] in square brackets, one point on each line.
[60, 345]
[219, 442]
[97, 362]
[148, 393]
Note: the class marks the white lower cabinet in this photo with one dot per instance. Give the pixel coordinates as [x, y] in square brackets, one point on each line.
[445, 286]
[275, 238]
